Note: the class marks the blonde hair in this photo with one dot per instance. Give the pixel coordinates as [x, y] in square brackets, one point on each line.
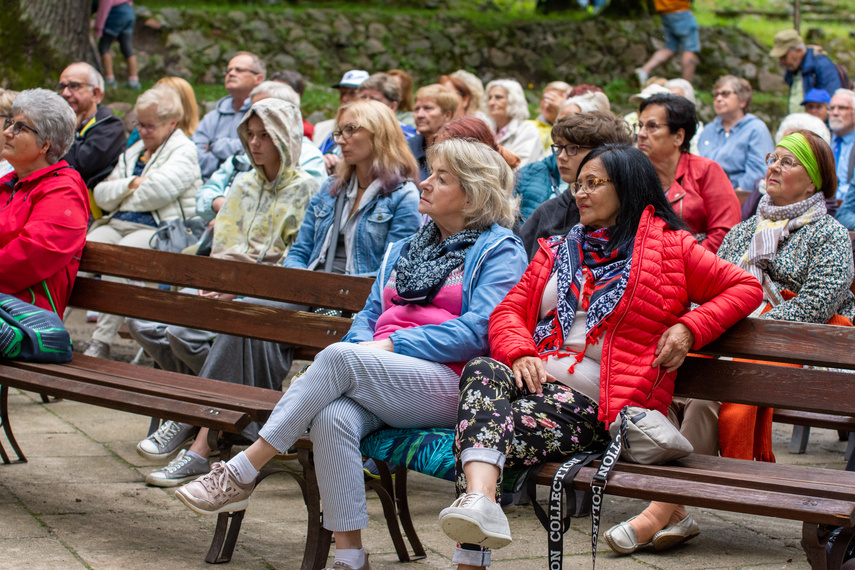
[165, 99]
[7, 97]
[476, 89]
[190, 120]
[486, 179]
[445, 98]
[391, 159]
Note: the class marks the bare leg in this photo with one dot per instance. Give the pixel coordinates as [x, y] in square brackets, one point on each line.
[200, 445]
[107, 60]
[481, 478]
[132, 67]
[689, 62]
[469, 567]
[658, 58]
[348, 539]
[260, 453]
[654, 518]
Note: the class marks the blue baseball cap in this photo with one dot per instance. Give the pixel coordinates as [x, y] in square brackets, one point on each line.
[817, 96]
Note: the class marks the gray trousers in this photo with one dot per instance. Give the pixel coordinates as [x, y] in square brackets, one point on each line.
[230, 358]
[348, 392]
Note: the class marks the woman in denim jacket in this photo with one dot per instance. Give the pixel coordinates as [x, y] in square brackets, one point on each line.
[378, 204]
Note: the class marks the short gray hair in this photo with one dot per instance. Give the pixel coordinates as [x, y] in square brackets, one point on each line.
[276, 90]
[385, 84]
[740, 86]
[688, 90]
[847, 92]
[517, 105]
[486, 179]
[51, 116]
[589, 102]
[95, 78]
[803, 121]
[167, 101]
[257, 62]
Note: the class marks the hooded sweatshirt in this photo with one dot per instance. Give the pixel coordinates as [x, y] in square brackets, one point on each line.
[260, 219]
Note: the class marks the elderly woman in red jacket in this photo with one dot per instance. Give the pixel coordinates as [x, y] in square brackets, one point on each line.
[600, 320]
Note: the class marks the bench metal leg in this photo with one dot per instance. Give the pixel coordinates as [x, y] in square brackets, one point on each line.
[7, 428]
[404, 515]
[387, 492]
[318, 539]
[841, 545]
[799, 440]
[850, 446]
[814, 538]
[225, 537]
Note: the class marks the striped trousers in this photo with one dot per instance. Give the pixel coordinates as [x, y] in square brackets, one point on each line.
[348, 392]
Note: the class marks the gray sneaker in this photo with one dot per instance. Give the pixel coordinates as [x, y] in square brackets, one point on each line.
[475, 519]
[180, 470]
[97, 349]
[217, 492]
[169, 438]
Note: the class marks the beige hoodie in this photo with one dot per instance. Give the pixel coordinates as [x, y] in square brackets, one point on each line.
[259, 219]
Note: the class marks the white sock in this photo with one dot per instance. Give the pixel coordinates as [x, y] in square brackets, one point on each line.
[196, 456]
[353, 557]
[242, 469]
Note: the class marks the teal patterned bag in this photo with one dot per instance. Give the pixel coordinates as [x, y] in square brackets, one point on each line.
[32, 334]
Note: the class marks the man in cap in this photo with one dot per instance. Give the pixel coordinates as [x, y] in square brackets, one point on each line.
[816, 103]
[350, 81]
[806, 69]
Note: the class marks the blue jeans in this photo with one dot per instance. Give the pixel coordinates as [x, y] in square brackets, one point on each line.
[681, 32]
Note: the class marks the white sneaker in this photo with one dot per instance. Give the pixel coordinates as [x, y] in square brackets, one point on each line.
[475, 519]
[217, 492]
[642, 76]
[169, 438]
[180, 470]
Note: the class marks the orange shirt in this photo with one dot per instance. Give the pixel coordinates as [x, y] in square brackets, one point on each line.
[668, 6]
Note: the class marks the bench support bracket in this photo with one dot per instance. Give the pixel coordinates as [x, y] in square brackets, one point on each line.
[814, 540]
[7, 427]
[393, 497]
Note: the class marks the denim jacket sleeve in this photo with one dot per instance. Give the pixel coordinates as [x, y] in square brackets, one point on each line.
[846, 212]
[405, 218]
[300, 252]
[365, 320]
[464, 338]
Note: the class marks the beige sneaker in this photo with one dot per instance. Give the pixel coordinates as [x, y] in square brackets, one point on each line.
[343, 566]
[217, 492]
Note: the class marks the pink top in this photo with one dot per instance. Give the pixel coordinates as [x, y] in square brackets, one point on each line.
[445, 306]
[104, 7]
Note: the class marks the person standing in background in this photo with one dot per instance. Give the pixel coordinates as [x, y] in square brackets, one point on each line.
[115, 20]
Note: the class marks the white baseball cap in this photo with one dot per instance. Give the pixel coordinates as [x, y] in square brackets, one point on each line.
[352, 79]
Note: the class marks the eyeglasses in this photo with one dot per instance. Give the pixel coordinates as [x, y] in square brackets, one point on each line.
[17, 126]
[569, 149]
[787, 162]
[724, 93]
[839, 108]
[346, 132]
[74, 86]
[228, 70]
[148, 127]
[588, 186]
[651, 126]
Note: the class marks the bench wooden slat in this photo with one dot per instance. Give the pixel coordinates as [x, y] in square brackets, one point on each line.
[820, 391]
[124, 400]
[256, 402]
[783, 341]
[344, 292]
[242, 319]
[804, 508]
[827, 421]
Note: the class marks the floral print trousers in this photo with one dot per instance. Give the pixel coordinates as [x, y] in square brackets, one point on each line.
[526, 428]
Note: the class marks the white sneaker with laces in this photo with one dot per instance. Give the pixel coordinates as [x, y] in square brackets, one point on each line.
[169, 438]
[217, 492]
[475, 519]
[180, 470]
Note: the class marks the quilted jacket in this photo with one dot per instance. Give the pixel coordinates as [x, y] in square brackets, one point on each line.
[669, 271]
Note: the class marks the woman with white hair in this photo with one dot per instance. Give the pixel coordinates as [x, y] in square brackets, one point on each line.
[585, 103]
[45, 202]
[508, 111]
[155, 180]
[684, 89]
[400, 363]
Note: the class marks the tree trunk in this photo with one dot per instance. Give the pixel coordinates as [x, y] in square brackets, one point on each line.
[41, 37]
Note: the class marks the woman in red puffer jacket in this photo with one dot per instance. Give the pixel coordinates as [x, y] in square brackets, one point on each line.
[600, 320]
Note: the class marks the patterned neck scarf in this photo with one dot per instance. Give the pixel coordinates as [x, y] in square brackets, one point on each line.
[426, 262]
[774, 224]
[588, 274]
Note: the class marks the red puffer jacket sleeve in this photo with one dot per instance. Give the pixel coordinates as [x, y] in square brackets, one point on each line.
[513, 320]
[725, 292]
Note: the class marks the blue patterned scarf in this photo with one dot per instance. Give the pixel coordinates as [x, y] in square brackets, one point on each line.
[588, 274]
[426, 262]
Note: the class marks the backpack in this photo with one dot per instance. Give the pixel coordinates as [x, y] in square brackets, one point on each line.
[845, 82]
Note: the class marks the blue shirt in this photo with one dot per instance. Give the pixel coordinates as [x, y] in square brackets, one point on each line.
[841, 158]
[740, 153]
[216, 136]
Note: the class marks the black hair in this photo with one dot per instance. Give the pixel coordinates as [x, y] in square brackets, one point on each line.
[637, 186]
[679, 112]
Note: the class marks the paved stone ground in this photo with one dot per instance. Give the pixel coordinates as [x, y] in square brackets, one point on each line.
[81, 502]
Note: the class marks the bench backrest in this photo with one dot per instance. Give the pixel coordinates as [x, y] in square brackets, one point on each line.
[797, 388]
[312, 288]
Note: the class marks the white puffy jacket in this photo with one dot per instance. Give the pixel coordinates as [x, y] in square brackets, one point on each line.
[172, 174]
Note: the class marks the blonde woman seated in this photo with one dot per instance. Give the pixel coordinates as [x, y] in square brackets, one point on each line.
[400, 363]
[155, 180]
